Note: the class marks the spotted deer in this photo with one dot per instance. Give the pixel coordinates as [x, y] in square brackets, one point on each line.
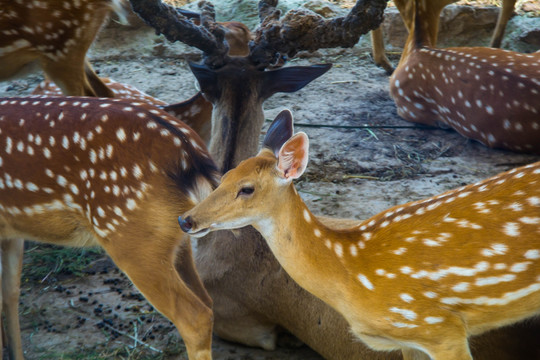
[253, 297]
[488, 95]
[195, 112]
[377, 40]
[54, 35]
[476, 250]
[114, 173]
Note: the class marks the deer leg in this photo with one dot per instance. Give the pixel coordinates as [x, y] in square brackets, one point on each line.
[152, 271]
[70, 78]
[185, 265]
[12, 252]
[99, 88]
[502, 21]
[378, 52]
[414, 354]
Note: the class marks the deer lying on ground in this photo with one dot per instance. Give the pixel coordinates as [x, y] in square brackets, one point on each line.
[489, 95]
[253, 296]
[377, 40]
[54, 35]
[421, 277]
[84, 171]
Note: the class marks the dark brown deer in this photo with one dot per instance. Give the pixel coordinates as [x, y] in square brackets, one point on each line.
[377, 41]
[54, 35]
[253, 297]
[488, 95]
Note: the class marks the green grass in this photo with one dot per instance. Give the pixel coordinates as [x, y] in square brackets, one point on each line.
[42, 262]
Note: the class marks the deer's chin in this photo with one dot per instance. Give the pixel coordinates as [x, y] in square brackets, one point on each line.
[199, 233]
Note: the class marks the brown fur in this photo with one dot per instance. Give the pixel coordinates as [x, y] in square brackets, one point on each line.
[377, 40]
[117, 178]
[54, 43]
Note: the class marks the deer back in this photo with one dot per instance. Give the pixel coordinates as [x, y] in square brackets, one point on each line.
[95, 161]
[489, 95]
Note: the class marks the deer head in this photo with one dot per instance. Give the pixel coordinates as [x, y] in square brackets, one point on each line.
[238, 86]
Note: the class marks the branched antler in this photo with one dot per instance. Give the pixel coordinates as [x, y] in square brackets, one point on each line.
[304, 30]
[166, 20]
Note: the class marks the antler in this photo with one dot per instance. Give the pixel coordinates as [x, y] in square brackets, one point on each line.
[165, 19]
[304, 30]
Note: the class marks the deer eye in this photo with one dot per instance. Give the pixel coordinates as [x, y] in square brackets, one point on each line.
[246, 191]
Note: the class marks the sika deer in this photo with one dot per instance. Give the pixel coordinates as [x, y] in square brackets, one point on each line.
[114, 173]
[55, 35]
[195, 112]
[421, 277]
[377, 40]
[489, 95]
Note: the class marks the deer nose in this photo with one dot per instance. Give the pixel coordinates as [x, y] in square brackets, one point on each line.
[185, 224]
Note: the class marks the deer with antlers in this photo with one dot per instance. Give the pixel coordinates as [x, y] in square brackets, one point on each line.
[54, 35]
[421, 277]
[488, 95]
[236, 109]
[253, 296]
[377, 41]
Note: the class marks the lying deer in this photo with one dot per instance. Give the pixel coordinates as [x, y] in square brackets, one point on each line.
[253, 296]
[377, 41]
[489, 95]
[476, 250]
[87, 171]
[54, 35]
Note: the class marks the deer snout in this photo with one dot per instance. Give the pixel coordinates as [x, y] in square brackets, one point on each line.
[185, 224]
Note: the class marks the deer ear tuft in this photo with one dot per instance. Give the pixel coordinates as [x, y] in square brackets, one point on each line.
[279, 131]
[293, 157]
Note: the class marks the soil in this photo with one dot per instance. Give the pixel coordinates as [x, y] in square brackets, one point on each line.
[363, 159]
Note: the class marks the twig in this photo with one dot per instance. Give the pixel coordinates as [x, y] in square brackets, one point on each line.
[362, 127]
[133, 338]
[367, 177]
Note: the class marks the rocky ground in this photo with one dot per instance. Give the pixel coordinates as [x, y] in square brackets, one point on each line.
[364, 159]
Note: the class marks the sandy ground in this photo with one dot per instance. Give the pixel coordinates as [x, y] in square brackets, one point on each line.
[363, 160]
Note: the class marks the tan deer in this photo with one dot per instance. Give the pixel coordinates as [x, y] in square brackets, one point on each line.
[489, 95]
[54, 35]
[253, 297]
[377, 40]
[421, 277]
[87, 171]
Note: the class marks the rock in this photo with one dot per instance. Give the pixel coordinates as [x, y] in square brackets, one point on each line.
[531, 37]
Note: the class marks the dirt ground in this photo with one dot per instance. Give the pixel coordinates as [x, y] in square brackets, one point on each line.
[363, 159]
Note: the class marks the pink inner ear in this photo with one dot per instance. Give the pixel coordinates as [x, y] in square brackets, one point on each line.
[293, 156]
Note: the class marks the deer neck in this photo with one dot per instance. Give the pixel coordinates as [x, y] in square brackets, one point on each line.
[422, 18]
[309, 251]
[233, 126]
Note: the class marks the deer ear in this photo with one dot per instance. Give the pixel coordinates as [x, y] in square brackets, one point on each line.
[207, 79]
[280, 130]
[290, 79]
[293, 157]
